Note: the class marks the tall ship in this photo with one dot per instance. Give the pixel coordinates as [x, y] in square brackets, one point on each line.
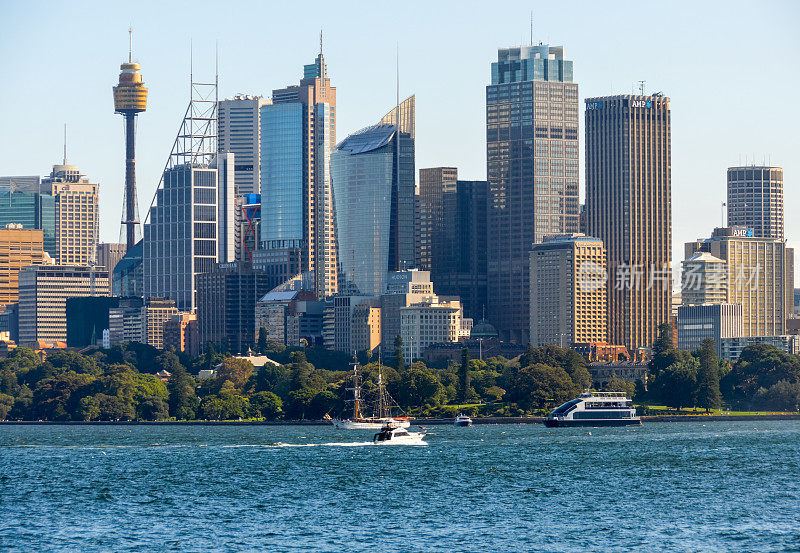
[371, 415]
[595, 409]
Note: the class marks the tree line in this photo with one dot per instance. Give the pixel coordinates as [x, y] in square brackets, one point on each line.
[309, 383]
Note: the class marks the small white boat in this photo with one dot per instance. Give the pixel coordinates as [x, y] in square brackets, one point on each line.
[392, 435]
[462, 420]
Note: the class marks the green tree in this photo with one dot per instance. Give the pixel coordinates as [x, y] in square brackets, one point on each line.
[399, 361]
[463, 376]
[664, 351]
[262, 346]
[236, 370]
[708, 394]
[616, 384]
[539, 386]
[299, 403]
[6, 403]
[760, 366]
[183, 402]
[781, 396]
[419, 387]
[554, 356]
[267, 405]
[676, 384]
[529, 357]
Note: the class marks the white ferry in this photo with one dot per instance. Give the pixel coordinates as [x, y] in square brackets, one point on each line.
[595, 409]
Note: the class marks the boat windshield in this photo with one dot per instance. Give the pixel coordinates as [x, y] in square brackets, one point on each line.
[566, 407]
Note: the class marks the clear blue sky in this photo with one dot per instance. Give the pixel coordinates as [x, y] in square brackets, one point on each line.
[730, 68]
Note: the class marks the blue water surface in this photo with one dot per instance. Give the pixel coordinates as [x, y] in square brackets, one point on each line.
[691, 486]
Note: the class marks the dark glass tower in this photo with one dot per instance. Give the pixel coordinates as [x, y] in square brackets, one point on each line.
[532, 168]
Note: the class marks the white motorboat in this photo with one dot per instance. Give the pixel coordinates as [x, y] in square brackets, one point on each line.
[462, 420]
[392, 435]
[595, 409]
[382, 414]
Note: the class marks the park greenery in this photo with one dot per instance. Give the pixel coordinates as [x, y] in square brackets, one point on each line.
[308, 383]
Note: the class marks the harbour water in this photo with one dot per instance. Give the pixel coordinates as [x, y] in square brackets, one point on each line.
[689, 486]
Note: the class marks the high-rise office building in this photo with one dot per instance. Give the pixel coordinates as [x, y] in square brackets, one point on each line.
[23, 202]
[755, 199]
[180, 333]
[433, 184]
[700, 321]
[77, 215]
[43, 293]
[298, 133]
[373, 191]
[628, 183]
[568, 291]
[704, 280]
[760, 273]
[18, 248]
[226, 304]
[532, 168]
[239, 132]
[403, 288]
[109, 254]
[190, 225]
[155, 313]
[459, 267]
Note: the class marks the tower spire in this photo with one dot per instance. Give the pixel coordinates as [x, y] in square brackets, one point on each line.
[531, 28]
[320, 42]
[65, 143]
[130, 44]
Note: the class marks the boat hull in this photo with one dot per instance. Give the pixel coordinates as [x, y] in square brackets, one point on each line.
[369, 425]
[462, 423]
[552, 423]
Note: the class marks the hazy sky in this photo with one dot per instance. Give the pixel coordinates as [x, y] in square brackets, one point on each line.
[731, 70]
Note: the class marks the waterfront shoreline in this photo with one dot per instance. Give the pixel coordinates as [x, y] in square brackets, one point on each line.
[423, 422]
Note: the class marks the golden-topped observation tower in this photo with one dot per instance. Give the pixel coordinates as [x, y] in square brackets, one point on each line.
[130, 98]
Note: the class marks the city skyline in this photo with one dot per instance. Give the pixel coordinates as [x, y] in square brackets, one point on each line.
[708, 93]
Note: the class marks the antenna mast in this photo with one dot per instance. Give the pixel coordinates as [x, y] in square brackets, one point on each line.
[130, 44]
[531, 27]
[641, 87]
[65, 143]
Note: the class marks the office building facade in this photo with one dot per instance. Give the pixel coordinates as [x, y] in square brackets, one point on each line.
[434, 183]
[180, 334]
[459, 267]
[716, 321]
[568, 291]
[239, 131]
[23, 202]
[18, 248]
[432, 321]
[77, 215]
[755, 200]
[403, 288]
[298, 134]
[759, 275]
[704, 280]
[373, 191]
[628, 206]
[43, 293]
[226, 304]
[109, 254]
[532, 169]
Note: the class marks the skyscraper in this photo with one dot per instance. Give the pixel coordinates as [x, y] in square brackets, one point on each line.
[628, 180]
[459, 266]
[23, 202]
[568, 294]
[190, 225]
[760, 273]
[373, 193]
[18, 248]
[755, 199]
[240, 132]
[77, 215]
[433, 184]
[532, 168]
[298, 133]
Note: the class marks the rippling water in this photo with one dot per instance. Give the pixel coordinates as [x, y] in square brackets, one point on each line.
[691, 486]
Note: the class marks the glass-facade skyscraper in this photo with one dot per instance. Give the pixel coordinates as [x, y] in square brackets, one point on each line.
[32, 210]
[373, 194]
[298, 133]
[532, 169]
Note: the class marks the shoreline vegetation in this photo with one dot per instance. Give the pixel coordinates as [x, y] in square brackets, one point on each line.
[135, 382]
[685, 417]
